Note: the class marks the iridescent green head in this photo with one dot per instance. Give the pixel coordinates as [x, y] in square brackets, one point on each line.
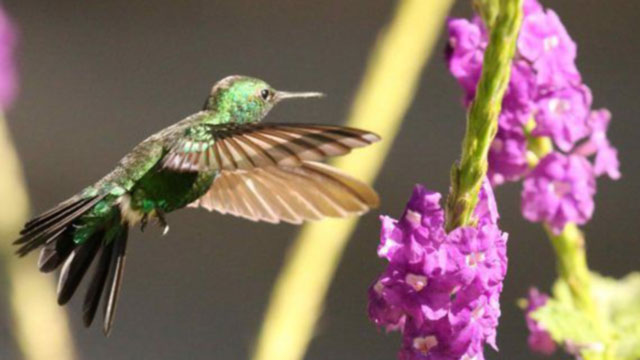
[244, 99]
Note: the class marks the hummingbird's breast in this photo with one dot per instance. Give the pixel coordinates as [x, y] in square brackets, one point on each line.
[166, 191]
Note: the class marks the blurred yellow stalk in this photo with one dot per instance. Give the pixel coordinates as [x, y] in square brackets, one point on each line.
[39, 325]
[385, 93]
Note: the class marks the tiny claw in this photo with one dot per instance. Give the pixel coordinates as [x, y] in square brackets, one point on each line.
[163, 222]
[143, 222]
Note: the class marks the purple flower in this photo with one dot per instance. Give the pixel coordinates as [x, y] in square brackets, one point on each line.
[559, 190]
[563, 116]
[486, 211]
[545, 43]
[531, 7]
[606, 162]
[539, 339]
[606, 156]
[518, 103]
[465, 52]
[507, 157]
[8, 72]
[440, 290]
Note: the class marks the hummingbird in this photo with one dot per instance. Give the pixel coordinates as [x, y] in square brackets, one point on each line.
[222, 158]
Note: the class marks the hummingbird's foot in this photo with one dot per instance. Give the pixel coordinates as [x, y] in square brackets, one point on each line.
[143, 222]
[163, 222]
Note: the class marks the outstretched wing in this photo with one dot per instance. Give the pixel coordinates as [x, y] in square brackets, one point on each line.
[232, 147]
[291, 194]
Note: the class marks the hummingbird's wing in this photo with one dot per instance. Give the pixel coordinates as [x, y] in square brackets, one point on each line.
[291, 194]
[231, 147]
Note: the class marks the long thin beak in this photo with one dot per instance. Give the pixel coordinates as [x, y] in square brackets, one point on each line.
[282, 95]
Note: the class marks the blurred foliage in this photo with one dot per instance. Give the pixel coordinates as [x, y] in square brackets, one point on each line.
[40, 326]
[395, 63]
[617, 333]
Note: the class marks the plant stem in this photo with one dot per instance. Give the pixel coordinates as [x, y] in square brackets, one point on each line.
[571, 262]
[572, 265]
[385, 93]
[482, 118]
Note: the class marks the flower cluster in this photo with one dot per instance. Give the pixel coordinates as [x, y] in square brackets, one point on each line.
[545, 99]
[539, 339]
[441, 291]
[8, 78]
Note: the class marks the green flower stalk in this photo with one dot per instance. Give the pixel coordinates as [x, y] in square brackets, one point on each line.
[550, 137]
[482, 118]
[571, 259]
[441, 288]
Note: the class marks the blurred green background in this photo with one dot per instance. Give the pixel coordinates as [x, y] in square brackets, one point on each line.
[97, 77]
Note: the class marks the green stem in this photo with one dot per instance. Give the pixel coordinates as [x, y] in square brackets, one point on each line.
[572, 266]
[482, 118]
[571, 262]
[488, 10]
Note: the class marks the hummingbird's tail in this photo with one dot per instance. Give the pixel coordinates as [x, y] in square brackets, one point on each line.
[72, 234]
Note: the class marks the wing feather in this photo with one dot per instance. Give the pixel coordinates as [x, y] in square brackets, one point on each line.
[311, 191]
[229, 147]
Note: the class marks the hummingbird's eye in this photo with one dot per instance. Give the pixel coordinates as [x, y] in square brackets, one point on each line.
[265, 94]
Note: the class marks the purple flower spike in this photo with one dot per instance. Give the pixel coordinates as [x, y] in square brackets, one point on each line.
[545, 96]
[559, 190]
[539, 339]
[546, 113]
[8, 71]
[441, 291]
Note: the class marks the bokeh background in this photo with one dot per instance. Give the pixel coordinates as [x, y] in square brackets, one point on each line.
[99, 76]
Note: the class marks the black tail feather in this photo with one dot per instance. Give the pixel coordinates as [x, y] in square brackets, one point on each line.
[63, 206]
[94, 292]
[115, 278]
[54, 253]
[32, 245]
[54, 231]
[36, 235]
[76, 266]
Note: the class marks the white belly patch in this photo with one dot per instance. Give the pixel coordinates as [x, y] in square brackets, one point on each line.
[129, 215]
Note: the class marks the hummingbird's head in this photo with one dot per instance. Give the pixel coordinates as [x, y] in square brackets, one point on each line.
[245, 99]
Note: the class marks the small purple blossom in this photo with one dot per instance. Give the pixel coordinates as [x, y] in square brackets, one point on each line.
[507, 157]
[559, 190]
[8, 71]
[606, 156]
[545, 43]
[539, 339]
[531, 6]
[465, 53]
[441, 291]
[563, 115]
